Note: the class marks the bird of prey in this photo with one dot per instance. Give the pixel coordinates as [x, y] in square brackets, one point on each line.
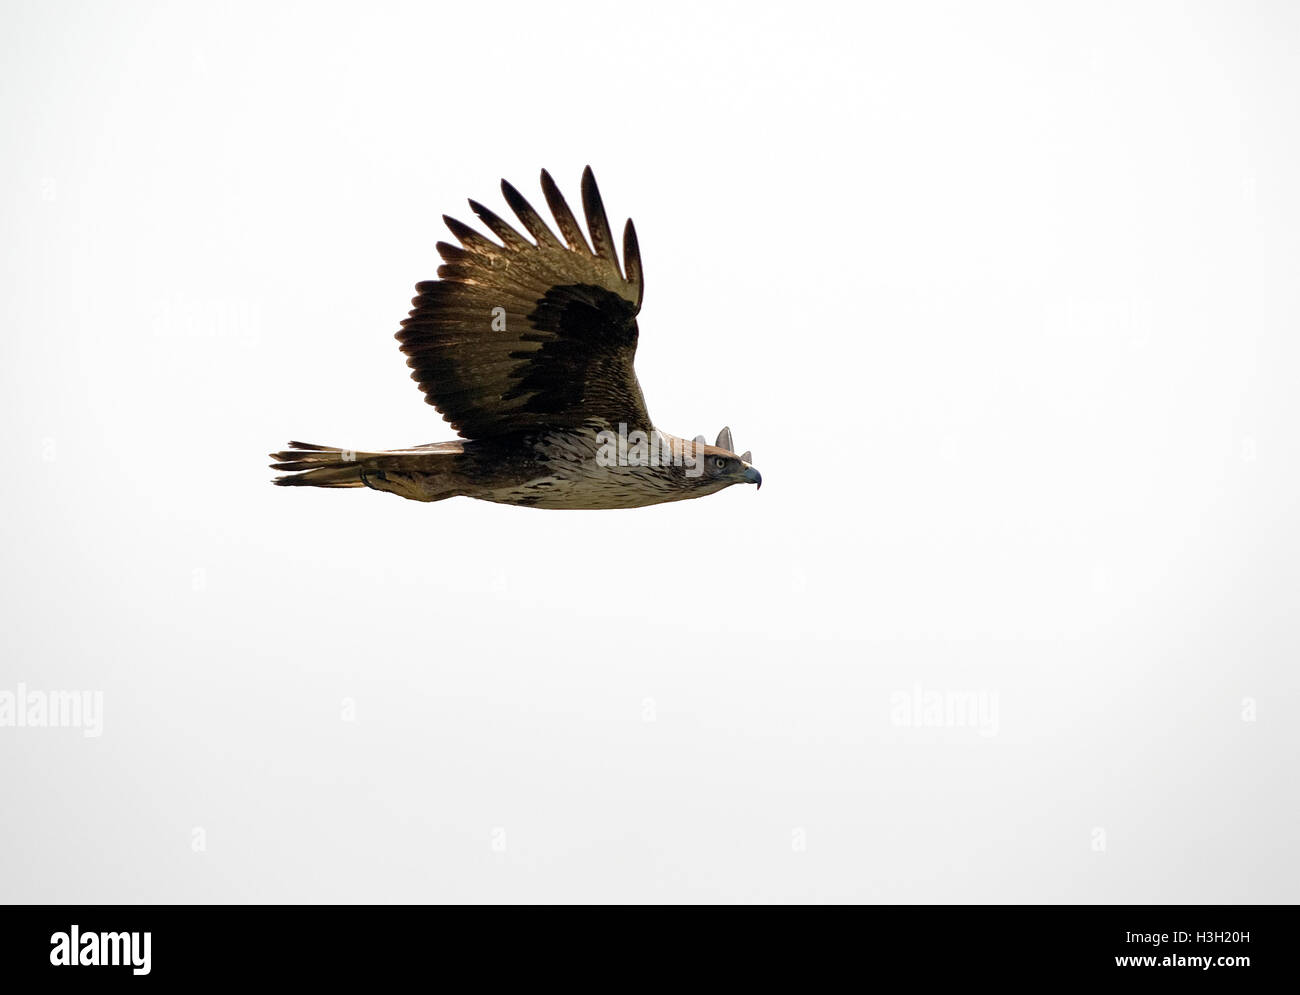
[526, 348]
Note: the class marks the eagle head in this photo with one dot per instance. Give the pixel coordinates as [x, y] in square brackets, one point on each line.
[722, 467]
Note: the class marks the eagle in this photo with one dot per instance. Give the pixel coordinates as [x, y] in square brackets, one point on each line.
[526, 346]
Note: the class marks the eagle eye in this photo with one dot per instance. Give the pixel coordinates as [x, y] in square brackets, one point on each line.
[719, 462]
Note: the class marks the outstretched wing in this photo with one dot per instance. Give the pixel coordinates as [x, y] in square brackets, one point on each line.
[530, 334]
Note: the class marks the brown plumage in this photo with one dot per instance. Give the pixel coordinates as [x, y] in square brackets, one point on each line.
[527, 348]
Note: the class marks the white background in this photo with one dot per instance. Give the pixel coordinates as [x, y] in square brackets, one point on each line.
[1002, 296]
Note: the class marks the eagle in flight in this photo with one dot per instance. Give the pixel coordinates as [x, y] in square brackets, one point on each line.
[526, 348]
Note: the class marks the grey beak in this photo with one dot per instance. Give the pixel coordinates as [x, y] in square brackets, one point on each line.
[752, 476]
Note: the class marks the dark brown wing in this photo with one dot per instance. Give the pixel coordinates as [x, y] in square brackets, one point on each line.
[530, 334]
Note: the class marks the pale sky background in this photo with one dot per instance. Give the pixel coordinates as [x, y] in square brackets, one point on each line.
[1003, 297]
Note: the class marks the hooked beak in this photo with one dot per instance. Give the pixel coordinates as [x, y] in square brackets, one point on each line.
[752, 476]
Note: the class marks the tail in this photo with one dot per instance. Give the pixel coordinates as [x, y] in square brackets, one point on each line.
[424, 473]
